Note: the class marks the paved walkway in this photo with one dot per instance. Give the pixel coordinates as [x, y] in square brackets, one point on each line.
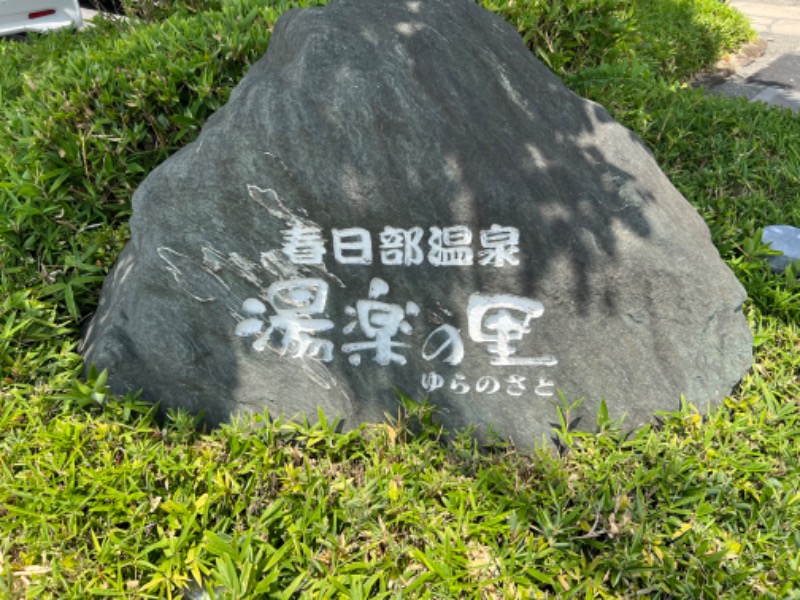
[774, 76]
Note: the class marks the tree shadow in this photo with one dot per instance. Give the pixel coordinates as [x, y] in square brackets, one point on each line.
[479, 148]
[372, 115]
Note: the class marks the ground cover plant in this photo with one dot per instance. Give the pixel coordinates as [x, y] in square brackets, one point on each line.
[98, 498]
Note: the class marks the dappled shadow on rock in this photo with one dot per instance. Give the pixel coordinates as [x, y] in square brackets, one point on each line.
[399, 196]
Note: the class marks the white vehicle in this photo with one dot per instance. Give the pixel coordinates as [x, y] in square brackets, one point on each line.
[20, 16]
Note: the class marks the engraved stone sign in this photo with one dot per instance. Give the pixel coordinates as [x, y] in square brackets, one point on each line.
[399, 196]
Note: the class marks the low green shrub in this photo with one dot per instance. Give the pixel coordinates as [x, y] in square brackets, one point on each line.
[569, 35]
[679, 38]
[673, 38]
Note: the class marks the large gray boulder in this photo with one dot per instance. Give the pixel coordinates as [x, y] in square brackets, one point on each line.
[399, 196]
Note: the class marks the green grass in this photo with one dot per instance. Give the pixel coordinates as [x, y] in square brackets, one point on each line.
[677, 36]
[97, 498]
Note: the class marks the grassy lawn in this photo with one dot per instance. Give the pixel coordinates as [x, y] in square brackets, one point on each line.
[98, 498]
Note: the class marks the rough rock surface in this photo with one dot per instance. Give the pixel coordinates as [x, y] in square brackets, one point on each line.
[399, 196]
